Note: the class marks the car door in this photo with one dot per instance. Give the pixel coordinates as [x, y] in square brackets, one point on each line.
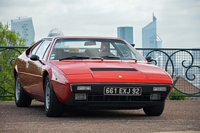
[35, 68]
[24, 67]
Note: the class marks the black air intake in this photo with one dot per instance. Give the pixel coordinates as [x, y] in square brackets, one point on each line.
[113, 69]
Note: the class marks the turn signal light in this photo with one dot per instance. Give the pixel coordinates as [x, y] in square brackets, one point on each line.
[159, 88]
[81, 88]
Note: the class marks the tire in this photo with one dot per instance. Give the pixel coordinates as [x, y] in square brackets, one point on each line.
[53, 107]
[21, 98]
[155, 110]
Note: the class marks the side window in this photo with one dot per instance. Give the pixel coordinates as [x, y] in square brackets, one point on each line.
[48, 42]
[42, 50]
[34, 50]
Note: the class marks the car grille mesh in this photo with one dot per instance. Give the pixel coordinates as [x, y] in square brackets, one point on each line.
[94, 97]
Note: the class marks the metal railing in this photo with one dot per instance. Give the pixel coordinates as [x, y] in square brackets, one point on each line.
[7, 58]
[182, 64]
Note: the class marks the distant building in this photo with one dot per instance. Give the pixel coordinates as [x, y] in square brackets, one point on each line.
[126, 33]
[196, 70]
[150, 38]
[196, 54]
[55, 32]
[25, 27]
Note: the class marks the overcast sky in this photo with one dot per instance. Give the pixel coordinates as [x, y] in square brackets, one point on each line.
[178, 21]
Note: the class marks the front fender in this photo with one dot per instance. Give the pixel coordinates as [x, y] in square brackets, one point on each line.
[60, 84]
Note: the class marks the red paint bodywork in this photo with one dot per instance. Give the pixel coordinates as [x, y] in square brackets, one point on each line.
[66, 72]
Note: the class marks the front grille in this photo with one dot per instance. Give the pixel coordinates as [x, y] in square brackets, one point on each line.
[93, 97]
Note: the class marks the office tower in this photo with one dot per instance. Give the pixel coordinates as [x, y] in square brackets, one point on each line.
[25, 27]
[150, 38]
[126, 33]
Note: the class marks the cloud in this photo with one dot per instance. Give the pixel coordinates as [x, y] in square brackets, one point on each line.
[177, 20]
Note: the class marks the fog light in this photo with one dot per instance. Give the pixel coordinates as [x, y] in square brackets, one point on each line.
[80, 88]
[155, 96]
[159, 88]
[80, 96]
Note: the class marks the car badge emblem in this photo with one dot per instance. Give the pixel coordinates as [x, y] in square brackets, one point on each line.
[120, 76]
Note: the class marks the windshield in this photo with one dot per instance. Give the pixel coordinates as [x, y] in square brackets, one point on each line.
[108, 49]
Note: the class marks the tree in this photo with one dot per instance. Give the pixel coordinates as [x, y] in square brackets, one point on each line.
[8, 38]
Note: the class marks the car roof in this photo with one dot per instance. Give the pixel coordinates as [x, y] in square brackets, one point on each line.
[88, 37]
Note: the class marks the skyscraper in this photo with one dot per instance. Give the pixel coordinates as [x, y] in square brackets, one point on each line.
[126, 33]
[150, 38]
[25, 27]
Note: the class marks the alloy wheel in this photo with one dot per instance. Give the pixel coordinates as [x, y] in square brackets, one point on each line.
[17, 89]
[47, 93]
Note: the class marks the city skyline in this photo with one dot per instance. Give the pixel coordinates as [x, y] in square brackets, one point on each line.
[177, 24]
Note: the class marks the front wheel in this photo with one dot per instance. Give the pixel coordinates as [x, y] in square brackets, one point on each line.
[154, 110]
[21, 98]
[53, 107]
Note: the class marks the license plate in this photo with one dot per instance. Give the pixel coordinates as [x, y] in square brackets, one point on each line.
[136, 91]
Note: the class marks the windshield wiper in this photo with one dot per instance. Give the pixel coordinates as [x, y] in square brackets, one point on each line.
[75, 57]
[133, 59]
[110, 57]
[96, 58]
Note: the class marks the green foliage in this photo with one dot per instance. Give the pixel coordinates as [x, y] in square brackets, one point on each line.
[7, 98]
[177, 95]
[8, 38]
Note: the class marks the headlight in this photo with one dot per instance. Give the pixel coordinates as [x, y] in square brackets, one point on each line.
[80, 88]
[155, 96]
[159, 88]
[80, 96]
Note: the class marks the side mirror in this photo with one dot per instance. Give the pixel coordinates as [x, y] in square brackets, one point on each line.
[149, 59]
[133, 45]
[34, 57]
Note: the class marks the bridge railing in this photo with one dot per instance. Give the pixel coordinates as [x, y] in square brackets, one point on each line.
[182, 64]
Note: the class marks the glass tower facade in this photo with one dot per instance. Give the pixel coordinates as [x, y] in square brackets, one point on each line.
[24, 26]
[126, 33]
[150, 39]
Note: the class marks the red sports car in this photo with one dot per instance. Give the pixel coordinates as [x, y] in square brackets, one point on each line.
[89, 72]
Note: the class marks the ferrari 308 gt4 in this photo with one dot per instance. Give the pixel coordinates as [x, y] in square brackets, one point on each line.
[89, 72]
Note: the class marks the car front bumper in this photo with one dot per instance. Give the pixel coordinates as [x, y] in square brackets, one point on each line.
[96, 99]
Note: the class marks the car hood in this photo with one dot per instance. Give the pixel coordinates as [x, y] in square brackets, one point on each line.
[112, 71]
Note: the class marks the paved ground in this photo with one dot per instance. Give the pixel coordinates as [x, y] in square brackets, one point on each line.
[181, 116]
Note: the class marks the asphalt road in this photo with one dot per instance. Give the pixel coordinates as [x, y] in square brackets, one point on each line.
[181, 116]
